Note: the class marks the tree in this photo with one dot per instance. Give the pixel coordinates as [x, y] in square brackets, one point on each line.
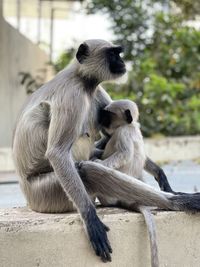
[189, 8]
[165, 57]
[130, 22]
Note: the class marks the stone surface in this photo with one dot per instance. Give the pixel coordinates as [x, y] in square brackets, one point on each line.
[32, 239]
[6, 161]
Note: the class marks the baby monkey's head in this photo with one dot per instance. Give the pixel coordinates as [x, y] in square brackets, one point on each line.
[118, 113]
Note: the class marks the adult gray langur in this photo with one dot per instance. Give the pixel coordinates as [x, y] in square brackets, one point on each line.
[125, 152]
[58, 125]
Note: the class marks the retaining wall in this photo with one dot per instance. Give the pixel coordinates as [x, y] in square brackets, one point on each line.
[31, 239]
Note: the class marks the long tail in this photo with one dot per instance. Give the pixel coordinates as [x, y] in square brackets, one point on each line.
[186, 202]
[151, 227]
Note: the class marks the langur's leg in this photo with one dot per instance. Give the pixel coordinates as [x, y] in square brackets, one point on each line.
[158, 173]
[45, 194]
[110, 183]
[104, 181]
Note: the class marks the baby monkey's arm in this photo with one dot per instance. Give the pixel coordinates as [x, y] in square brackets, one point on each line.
[96, 154]
[102, 142]
[117, 152]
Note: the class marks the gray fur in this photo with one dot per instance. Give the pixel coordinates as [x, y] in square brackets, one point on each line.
[52, 132]
[125, 152]
[152, 168]
[56, 122]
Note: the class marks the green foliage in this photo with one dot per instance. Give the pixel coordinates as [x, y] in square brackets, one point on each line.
[165, 81]
[166, 107]
[63, 60]
[168, 75]
[164, 55]
[176, 49]
[130, 21]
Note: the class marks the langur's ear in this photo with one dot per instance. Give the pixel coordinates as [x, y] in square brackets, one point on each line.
[128, 115]
[82, 53]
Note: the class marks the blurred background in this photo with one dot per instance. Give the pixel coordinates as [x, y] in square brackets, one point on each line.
[162, 51]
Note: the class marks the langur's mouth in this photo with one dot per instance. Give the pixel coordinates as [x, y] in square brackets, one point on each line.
[121, 70]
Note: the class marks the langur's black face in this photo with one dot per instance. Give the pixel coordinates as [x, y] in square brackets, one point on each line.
[101, 60]
[110, 121]
[115, 62]
[105, 118]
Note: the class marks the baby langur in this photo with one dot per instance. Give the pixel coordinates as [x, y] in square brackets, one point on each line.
[125, 152]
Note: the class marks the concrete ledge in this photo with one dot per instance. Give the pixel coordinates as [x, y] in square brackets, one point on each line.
[173, 148]
[6, 161]
[32, 239]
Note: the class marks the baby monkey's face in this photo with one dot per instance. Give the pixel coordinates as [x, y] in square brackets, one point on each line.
[117, 114]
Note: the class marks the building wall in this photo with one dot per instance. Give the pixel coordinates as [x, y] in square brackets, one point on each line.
[1, 8]
[17, 54]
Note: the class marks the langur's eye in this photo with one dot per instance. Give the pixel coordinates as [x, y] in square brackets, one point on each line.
[113, 55]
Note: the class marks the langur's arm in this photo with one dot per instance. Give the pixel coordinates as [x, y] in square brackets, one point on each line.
[99, 148]
[116, 160]
[63, 131]
[101, 143]
[102, 99]
[123, 153]
[96, 154]
[158, 173]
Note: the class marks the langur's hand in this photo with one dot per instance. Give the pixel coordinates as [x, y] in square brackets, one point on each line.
[97, 232]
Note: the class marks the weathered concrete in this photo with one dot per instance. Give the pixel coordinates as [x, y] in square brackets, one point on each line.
[33, 239]
[6, 161]
[173, 148]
